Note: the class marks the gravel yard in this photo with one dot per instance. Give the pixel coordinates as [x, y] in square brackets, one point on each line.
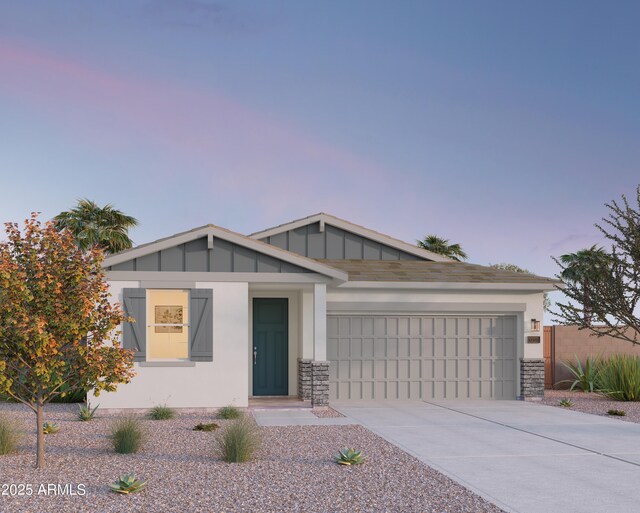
[592, 403]
[294, 471]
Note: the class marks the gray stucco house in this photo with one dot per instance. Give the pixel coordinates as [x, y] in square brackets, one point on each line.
[322, 309]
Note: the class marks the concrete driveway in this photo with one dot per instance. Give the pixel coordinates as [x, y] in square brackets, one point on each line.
[524, 457]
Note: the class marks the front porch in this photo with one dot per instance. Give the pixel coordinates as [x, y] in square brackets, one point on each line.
[287, 345]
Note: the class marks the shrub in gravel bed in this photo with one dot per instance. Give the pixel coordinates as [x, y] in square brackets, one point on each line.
[584, 377]
[10, 435]
[229, 412]
[619, 378]
[127, 483]
[127, 434]
[617, 413]
[86, 412]
[211, 426]
[350, 457]
[566, 403]
[238, 441]
[162, 412]
[50, 428]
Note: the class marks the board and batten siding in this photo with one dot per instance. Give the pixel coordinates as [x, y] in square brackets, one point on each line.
[195, 256]
[334, 243]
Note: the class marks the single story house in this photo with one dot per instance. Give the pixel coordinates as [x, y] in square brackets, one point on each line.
[322, 309]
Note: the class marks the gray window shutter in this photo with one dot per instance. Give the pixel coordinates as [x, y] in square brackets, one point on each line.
[134, 334]
[201, 325]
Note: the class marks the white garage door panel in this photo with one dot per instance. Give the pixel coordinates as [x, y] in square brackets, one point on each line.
[421, 357]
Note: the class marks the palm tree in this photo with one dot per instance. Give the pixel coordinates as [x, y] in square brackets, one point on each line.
[95, 226]
[583, 268]
[441, 246]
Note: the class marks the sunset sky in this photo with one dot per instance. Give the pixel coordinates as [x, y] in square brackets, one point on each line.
[504, 126]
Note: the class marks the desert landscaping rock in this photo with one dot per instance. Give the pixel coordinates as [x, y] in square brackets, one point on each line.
[293, 471]
[592, 403]
[326, 413]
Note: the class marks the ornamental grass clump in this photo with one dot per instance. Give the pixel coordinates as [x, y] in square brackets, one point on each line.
[229, 412]
[127, 434]
[619, 378]
[238, 441]
[10, 435]
[162, 412]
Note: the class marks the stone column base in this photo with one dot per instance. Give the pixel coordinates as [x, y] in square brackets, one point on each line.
[304, 379]
[319, 384]
[531, 377]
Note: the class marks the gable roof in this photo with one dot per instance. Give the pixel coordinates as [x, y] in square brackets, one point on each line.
[323, 219]
[209, 231]
[435, 272]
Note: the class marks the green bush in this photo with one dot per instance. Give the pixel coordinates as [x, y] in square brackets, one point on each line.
[238, 441]
[617, 413]
[619, 378]
[229, 412]
[10, 435]
[585, 378]
[127, 434]
[162, 412]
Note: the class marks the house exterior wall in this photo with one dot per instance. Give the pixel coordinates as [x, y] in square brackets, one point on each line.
[386, 300]
[334, 243]
[200, 384]
[196, 256]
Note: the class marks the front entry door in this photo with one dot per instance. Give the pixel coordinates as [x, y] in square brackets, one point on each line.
[270, 346]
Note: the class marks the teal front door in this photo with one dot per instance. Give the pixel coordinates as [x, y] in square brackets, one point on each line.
[270, 346]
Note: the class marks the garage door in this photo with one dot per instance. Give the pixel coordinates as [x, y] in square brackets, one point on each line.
[421, 357]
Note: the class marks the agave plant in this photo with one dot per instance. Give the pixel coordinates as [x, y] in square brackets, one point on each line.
[85, 412]
[127, 483]
[566, 403]
[50, 428]
[350, 457]
[584, 377]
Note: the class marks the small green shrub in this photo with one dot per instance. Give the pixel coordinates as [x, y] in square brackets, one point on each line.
[238, 441]
[85, 412]
[127, 434]
[229, 412]
[212, 426]
[127, 483]
[585, 378]
[619, 378]
[566, 403]
[617, 413]
[50, 428]
[162, 412]
[10, 435]
[350, 457]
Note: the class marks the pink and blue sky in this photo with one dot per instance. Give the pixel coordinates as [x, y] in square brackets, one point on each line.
[501, 125]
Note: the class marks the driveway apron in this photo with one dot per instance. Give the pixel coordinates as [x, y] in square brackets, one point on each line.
[523, 457]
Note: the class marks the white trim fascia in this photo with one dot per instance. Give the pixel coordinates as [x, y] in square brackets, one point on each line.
[236, 238]
[323, 218]
[523, 287]
[178, 276]
[413, 308]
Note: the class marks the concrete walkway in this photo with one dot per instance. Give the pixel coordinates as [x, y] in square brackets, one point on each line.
[524, 457]
[295, 417]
